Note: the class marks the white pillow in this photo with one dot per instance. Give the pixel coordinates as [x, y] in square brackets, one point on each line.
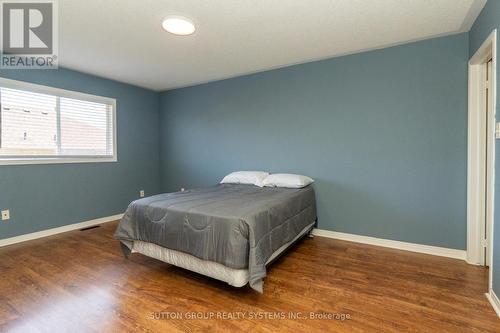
[245, 177]
[287, 180]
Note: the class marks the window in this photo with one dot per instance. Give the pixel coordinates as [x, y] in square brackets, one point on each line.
[47, 125]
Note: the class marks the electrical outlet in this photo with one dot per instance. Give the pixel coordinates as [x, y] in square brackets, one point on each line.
[5, 215]
[141, 193]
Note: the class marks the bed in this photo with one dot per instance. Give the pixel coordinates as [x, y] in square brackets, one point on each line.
[229, 231]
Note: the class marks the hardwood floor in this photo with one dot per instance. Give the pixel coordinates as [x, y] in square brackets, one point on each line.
[79, 282]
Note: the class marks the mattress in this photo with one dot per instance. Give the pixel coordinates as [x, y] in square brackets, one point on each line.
[237, 226]
[233, 277]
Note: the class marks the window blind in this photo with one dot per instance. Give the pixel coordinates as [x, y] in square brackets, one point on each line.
[34, 124]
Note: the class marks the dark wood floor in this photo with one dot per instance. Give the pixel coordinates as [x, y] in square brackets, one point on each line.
[79, 281]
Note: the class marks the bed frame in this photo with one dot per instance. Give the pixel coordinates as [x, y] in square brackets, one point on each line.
[234, 277]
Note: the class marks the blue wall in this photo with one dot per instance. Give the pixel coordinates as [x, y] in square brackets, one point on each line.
[46, 196]
[382, 132]
[488, 20]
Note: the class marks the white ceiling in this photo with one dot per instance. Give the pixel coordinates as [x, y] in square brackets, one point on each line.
[123, 39]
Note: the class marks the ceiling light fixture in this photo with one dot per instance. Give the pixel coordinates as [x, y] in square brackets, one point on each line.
[178, 25]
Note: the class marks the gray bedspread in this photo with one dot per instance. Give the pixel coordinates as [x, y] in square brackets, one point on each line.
[239, 226]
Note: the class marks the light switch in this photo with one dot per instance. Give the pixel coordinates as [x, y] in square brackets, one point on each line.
[497, 130]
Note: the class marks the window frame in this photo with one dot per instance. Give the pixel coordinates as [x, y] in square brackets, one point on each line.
[37, 88]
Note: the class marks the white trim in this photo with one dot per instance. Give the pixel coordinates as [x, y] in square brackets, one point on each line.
[55, 231]
[495, 302]
[37, 88]
[476, 186]
[412, 247]
[56, 160]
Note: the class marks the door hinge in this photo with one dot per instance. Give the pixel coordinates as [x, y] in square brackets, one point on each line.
[484, 242]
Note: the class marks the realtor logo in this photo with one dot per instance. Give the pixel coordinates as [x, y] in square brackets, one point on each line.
[29, 34]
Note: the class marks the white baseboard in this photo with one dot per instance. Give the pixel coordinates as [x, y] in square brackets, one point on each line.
[54, 231]
[495, 302]
[427, 249]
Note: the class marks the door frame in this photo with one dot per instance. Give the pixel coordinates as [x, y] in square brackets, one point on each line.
[477, 159]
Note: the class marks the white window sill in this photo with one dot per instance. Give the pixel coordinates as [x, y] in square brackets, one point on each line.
[56, 160]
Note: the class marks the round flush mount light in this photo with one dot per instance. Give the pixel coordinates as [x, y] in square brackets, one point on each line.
[178, 25]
